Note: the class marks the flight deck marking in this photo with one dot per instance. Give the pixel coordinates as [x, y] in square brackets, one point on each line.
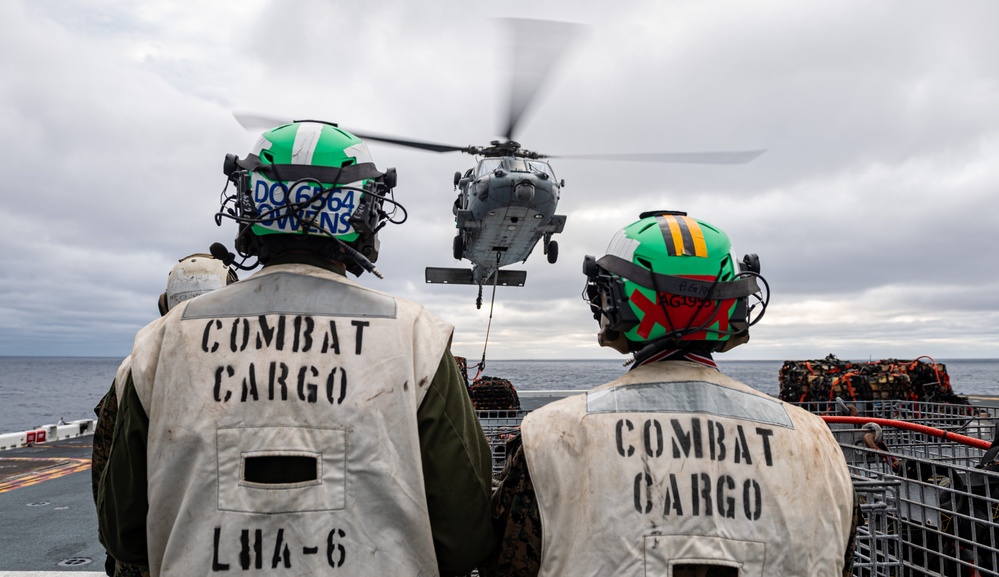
[61, 467]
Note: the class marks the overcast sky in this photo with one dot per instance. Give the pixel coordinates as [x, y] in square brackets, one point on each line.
[874, 209]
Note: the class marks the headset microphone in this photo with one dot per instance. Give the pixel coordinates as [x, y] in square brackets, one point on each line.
[219, 251]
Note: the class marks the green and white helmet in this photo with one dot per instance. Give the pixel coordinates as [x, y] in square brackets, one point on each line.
[308, 178]
[673, 279]
[306, 144]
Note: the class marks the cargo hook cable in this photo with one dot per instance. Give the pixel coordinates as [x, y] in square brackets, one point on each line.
[489, 325]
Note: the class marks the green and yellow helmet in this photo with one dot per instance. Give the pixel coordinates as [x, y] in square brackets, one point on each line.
[308, 178]
[673, 279]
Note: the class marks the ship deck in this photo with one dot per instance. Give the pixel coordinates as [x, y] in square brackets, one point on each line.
[48, 522]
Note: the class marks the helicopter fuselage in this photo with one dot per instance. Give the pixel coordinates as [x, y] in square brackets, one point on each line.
[504, 207]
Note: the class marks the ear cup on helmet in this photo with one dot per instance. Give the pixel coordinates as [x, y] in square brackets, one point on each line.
[605, 294]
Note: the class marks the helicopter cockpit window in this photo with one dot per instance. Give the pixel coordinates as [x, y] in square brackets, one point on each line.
[542, 167]
[516, 165]
[487, 165]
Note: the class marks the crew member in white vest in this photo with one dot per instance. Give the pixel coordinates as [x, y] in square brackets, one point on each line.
[193, 275]
[674, 469]
[297, 422]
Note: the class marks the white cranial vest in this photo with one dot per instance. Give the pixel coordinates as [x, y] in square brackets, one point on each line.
[675, 464]
[282, 429]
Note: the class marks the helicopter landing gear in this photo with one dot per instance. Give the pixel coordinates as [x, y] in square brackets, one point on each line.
[551, 249]
[458, 247]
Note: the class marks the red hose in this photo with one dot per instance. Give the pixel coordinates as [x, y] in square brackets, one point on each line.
[939, 433]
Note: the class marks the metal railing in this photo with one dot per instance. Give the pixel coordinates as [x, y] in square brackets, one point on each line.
[938, 512]
[929, 510]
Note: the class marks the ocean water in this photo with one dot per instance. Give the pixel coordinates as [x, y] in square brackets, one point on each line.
[36, 391]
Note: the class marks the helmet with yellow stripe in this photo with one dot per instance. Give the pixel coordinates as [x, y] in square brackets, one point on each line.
[673, 280]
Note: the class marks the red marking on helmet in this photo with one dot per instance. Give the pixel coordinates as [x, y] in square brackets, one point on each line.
[653, 314]
[683, 312]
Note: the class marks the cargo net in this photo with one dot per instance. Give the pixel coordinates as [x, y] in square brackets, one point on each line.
[498, 408]
[489, 393]
[494, 394]
[890, 379]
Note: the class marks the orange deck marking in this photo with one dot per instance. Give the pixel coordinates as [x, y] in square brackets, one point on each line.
[54, 468]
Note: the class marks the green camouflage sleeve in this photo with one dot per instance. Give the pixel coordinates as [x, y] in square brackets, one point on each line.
[122, 502]
[516, 521]
[107, 412]
[457, 471]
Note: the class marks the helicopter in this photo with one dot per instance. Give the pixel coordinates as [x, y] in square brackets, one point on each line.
[506, 203]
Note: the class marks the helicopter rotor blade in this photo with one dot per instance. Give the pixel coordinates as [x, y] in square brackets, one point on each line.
[727, 157]
[252, 121]
[537, 44]
[433, 147]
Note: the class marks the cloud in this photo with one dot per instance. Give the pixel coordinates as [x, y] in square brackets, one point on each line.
[872, 209]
